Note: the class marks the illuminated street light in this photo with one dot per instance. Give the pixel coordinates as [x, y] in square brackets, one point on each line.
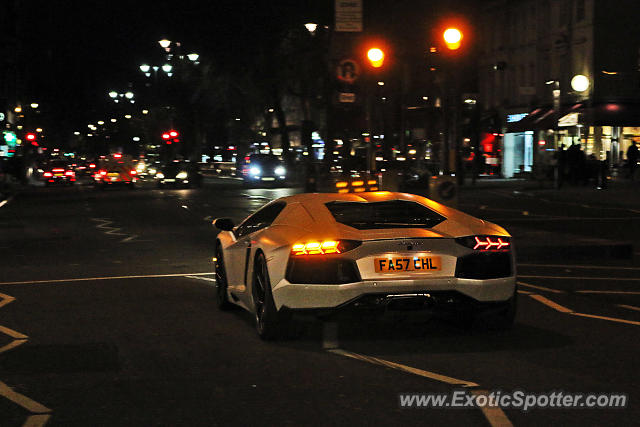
[76, 133]
[100, 122]
[579, 83]
[127, 116]
[145, 68]
[128, 95]
[145, 111]
[18, 109]
[167, 68]
[113, 94]
[113, 120]
[452, 37]
[311, 27]
[193, 57]
[164, 43]
[380, 83]
[34, 105]
[39, 130]
[376, 57]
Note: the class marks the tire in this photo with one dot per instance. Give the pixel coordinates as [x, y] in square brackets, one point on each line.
[222, 300]
[269, 322]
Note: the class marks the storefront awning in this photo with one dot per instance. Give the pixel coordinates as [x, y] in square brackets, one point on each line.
[542, 118]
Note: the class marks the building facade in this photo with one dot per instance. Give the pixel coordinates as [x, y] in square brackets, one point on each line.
[561, 72]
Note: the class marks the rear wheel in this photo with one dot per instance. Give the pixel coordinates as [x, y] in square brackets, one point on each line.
[269, 322]
[222, 301]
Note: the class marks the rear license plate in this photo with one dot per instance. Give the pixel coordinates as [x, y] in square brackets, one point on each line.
[58, 174]
[169, 180]
[417, 264]
[268, 179]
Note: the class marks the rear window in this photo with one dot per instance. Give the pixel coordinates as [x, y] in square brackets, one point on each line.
[390, 214]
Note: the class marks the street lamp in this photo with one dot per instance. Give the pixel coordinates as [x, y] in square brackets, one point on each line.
[193, 57]
[376, 57]
[167, 68]
[128, 95]
[113, 94]
[164, 43]
[34, 105]
[145, 68]
[452, 37]
[311, 27]
[579, 83]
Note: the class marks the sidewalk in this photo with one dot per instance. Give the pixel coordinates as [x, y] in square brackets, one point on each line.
[620, 192]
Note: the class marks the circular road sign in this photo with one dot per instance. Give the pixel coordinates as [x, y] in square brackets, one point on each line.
[348, 71]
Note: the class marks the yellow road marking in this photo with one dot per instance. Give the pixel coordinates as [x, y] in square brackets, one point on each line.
[542, 288]
[36, 421]
[6, 299]
[629, 307]
[630, 279]
[520, 291]
[611, 319]
[551, 304]
[86, 279]
[404, 368]
[494, 414]
[13, 344]
[22, 400]
[609, 292]
[12, 333]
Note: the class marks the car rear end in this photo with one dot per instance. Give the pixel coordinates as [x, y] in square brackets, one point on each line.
[115, 170]
[58, 173]
[385, 265]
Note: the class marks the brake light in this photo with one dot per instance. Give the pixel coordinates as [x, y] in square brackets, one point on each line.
[48, 174]
[325, 247]
[103, 172]
[485, 243]
[117, 155]
[92, 166]
[57, 170]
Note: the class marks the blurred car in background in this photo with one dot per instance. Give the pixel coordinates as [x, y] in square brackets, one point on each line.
[115, 169]
[259, 169]
[179, 174]
[58, 172]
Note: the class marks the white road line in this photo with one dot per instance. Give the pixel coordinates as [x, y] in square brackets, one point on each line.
[629, 307]
[597, 267]
[403, 368]
[608, 292]
[624, 279]
[541, 288]
[13, 334]
[86, 279]
[36, 420]
[206, 279]
[22, 400]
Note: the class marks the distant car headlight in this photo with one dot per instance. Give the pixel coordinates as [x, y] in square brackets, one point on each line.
[255, 171]
[152, 171]
[182, 175]
[159, 175]
[280, 170]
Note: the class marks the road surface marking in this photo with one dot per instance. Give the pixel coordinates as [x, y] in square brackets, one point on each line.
[206, 279]
[626, 279]
[12, 333]
[128, 239]
[6, 299]
[629, 307]
[520, 291]
[601, 267]
[22, 400]
[493, 414]
[609, 292]
[403, 368]
[4, 202]
[566, 310]
[542, 288]
[36, 420]
[13, 344]
[550, 303]
[86, 279]
[611, 319]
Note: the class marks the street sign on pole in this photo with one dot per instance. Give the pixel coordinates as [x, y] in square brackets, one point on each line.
[348, 16]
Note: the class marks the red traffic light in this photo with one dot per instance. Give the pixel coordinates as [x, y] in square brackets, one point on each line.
[30, 137]
[173, 134]
[166, 135]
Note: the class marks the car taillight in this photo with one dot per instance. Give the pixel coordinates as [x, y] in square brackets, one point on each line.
[48, 174]
[133, 172]
[92, 166]
[57, 170]
[103, 172]
[485, 243]
[325, 247]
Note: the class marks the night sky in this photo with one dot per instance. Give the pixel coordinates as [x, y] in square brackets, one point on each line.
[74, 52]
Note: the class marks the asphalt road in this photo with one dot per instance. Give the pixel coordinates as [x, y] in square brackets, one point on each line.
[107, 317]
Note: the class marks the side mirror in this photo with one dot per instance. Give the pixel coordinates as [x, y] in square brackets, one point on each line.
[224, 224]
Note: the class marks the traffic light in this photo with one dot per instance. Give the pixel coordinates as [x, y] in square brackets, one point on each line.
[376, 57]
[452, 38]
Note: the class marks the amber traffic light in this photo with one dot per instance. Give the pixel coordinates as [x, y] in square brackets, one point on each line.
[452, 38]
[375, 57]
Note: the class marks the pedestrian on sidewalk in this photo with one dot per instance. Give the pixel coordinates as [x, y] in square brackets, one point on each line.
[632, 159]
